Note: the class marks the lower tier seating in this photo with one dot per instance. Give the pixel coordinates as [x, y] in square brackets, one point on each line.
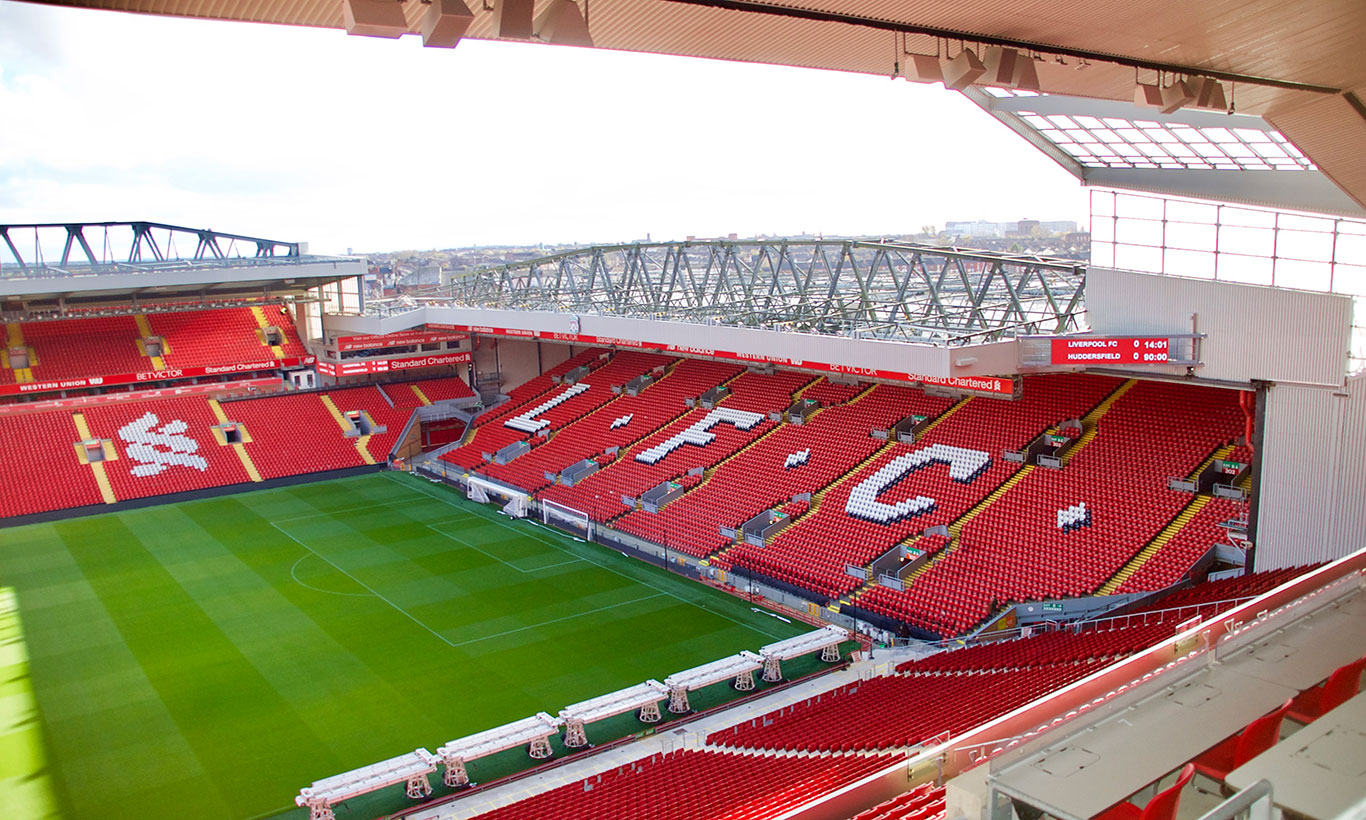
[696, 785]
[899, 711]
[40, 470]
[925, 802]
[162, 446]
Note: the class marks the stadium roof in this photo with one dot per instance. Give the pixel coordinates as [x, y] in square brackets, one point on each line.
[50, 267]
[1295, 66]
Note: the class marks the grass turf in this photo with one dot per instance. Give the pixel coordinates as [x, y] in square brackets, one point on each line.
[207, 659]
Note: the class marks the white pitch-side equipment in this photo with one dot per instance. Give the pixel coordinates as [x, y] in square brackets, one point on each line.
[643, 696]
[567, 518]
[533, 732]
[741, 667]
[825, 640]
[411, 769]
[481, 490]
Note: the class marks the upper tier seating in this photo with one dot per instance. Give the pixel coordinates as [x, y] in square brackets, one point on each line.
[202, 338]
[72, 348]
[695, 785]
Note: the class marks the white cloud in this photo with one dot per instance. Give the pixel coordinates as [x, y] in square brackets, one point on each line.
[351, 142]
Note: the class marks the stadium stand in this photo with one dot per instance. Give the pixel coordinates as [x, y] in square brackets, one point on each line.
[924, 802]
[969, 686]
[210, 337]
[40, 470]
[1017, 548]
[813, 552]
[601, 493]
[620, 423]
[696, 785]
[165, 445]
[837, 439]
[71, 348]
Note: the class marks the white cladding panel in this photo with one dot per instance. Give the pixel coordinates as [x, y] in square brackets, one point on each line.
[1254, 332]
[1349, 511]
[1313, 477]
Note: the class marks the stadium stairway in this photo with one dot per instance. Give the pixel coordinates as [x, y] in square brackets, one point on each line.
[1089, 421]
[262, 322]
[1175, 526]
[238, 448]
[1168, 533]
[145, 329]
[97, 467]
[360, 441]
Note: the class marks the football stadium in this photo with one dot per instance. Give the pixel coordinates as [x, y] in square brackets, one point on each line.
[768, 529]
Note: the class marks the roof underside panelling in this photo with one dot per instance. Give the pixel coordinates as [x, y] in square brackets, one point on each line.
[1311, 43]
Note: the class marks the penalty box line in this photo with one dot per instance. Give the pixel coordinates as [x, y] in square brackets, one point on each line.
[462, 542]
[543, 539]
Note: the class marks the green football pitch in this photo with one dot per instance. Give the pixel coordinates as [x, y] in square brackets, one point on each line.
[207, 659]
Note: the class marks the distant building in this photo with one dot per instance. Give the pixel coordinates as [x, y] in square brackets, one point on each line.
[974, 228]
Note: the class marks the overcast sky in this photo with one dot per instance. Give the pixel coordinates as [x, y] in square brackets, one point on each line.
[353, 142]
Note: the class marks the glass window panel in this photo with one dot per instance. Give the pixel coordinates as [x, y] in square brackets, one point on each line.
[1060, 121]
[1102, 254]
[1351, 280]
[1191, 236]
[1252, 241]
[1137, 257]
[1251, 135]
[1182, 211]
[1351, 248]
[1152, 150]
[1102, 229]
[1132, 206]
[1250, 269]
[1159, 135]
[1297, 222]
[1089, 122]
[1247, 218]
[1237, 149]
[1206, 149]
[1313, 247]
[1190, 263]
[1130, 134]
[1138, 232]
[1293, 273]
[1348, 226]
[1080, 135]
[1217, 134]
[1269, 149]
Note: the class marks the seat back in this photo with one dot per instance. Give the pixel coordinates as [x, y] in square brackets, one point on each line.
[1164, 804]
[1260, 735]
[1342, 685]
